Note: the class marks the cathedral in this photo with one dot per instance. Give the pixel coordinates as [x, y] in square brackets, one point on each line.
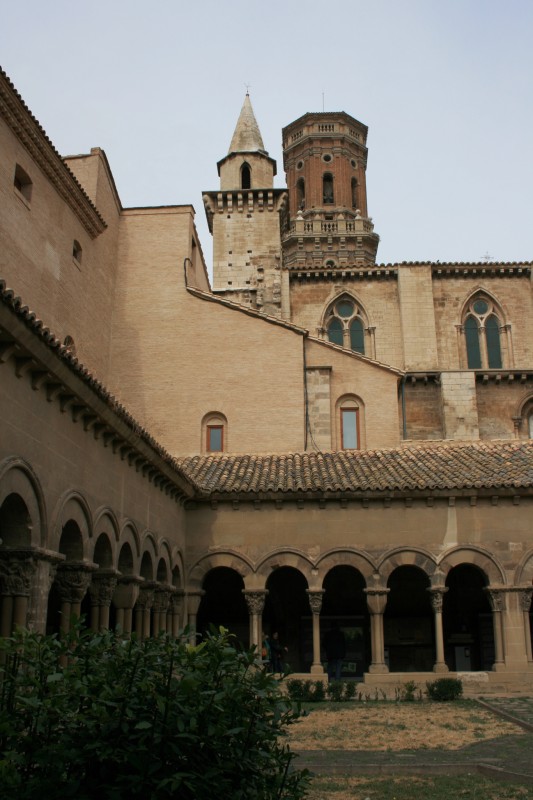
[312, 439]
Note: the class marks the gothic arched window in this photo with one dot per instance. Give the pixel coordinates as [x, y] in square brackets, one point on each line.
[246, 177]
[482, 326]
[344, 324]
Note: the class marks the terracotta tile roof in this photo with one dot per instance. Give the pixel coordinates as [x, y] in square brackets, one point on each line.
[442, 466]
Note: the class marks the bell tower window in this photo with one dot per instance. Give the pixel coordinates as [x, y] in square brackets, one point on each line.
[327, 189]
[300, 193]
[355, 198]
[246, 177]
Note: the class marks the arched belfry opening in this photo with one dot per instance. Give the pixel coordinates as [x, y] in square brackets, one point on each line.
[246, 176]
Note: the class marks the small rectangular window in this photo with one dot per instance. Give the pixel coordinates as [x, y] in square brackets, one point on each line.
[349, 429]
[215, 438]
[22, 182]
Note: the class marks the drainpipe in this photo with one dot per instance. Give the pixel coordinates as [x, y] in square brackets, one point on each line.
[404, 420]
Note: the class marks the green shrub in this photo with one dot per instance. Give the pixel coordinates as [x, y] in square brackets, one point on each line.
[350, 690]
[303, 691]
[93, 715]
[444, 689]
[408, 692]
[336, 691]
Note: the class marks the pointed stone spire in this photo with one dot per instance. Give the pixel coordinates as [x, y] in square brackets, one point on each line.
[247, 136]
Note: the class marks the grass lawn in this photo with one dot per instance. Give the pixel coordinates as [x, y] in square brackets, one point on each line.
[412, 787]
[385, 727]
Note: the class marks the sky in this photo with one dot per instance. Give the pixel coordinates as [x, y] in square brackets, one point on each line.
[445, 87]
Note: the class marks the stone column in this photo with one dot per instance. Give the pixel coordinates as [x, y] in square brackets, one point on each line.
[143, 609]
[124, 599]
[525, 606]
[193, 604]
[315, 601]
[175, 613]
[497, 602]
[437, 596]
[255, 600]
[17, 571]
[376, 598]
[101, 591]
[160, 608]
[72, 581]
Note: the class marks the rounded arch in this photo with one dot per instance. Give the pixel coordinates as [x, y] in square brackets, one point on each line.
[285, 558]
[523, 416]
[223, 603]
[524, 570]
[214, 432]
[246, 175]
[350, 428]
[17, 477]
[105, 521]
[129, 533]
[401, 557]
[146, 570]
[71, 508]
[126, 560]
[344, 557]
[475, 556]
[103, 553]
[162, 573]
[233, 560]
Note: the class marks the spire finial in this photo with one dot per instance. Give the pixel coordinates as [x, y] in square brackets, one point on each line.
[248, 85]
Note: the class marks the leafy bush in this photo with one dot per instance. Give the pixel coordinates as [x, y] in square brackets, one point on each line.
[93, 715]
[303, 691]
[336, 691]
[445, 689]
[408, 692]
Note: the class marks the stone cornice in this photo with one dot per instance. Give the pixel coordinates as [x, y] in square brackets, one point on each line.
[30, 133]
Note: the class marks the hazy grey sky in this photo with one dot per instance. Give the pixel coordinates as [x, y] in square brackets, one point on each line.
[445, 86]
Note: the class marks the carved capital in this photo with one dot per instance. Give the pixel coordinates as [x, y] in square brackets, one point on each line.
[16, 575]
[315, 599]
[255, 600]
[102, 588]
[161, 600]
[496, 598]
[145, 600]
[524, 598]
[437, 597]
[72, 581]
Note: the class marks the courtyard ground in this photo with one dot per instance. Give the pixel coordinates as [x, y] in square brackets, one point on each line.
[466, 748]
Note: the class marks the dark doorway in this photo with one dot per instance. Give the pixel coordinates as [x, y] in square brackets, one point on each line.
[408, 622]
[345, 604]
[467, 620]
[286, 606]
[224, 604]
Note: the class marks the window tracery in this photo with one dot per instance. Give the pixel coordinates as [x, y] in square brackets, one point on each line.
[344, 324]
[482, 326]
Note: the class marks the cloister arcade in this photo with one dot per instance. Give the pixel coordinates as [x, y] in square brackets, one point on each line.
[409, 612]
